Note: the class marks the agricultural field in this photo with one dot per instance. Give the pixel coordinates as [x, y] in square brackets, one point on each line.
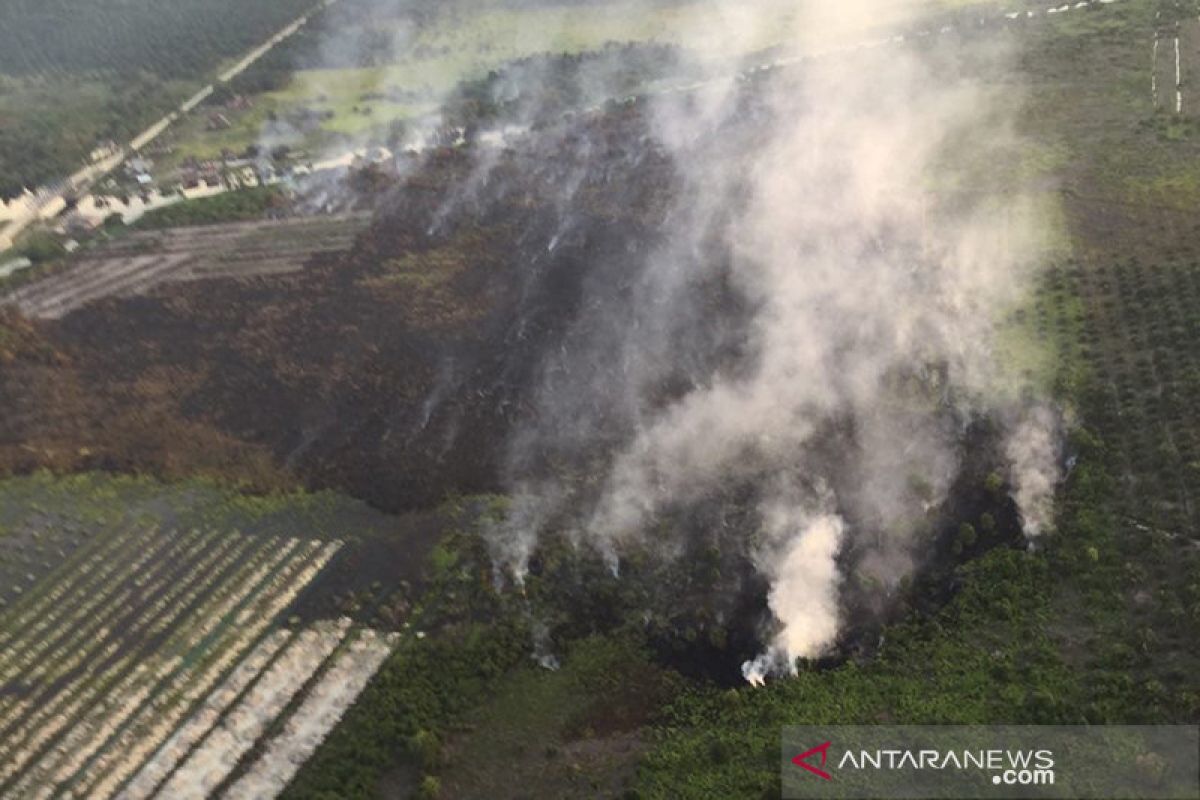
[1137, 343]
[151, 658]
[329, 100]
[1119, 309]
[136, 263]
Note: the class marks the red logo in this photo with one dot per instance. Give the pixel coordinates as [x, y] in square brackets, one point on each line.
[802, 760]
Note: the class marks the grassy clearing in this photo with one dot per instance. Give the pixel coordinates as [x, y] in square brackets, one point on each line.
[1039, 344]
[573, 731]
[465, 42]
[238, 206]
[94, 501]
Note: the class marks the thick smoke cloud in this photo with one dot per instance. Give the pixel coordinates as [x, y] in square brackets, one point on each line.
[861, 346]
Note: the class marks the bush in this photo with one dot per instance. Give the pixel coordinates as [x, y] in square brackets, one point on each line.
[430, 788]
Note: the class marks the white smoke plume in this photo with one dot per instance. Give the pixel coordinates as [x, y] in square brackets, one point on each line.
[803, 595]
[874, 296]
[1034, 453]
[874, 263]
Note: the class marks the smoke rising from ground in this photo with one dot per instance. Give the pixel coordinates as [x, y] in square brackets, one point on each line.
[808, 333]
[861, 346]
[804, 577]
[1033, 450]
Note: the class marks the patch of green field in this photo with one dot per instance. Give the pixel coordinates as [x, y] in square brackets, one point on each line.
[1038, 345]
[1037, 342]
[1176, 187]
[99, 500]
[570, 732]
[245, 204]
[465, 42]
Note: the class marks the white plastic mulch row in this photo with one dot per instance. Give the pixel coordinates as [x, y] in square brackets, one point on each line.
[100, 706]
[1178, 80]
[97, 560]
[217, 756]
[150, 730]
[168, 756]
[75, 605]
[88, 645]
[171, 680]
[1154, 73]
[316, 716]
[75, 638]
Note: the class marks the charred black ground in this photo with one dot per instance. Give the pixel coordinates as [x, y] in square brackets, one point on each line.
[411, 370]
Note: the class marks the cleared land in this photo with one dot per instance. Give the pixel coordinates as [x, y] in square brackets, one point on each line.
[150, 660]
[129, 634]
[137, 263]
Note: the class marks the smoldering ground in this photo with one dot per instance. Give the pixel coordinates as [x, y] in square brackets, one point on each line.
[733, 340]
[809, 341]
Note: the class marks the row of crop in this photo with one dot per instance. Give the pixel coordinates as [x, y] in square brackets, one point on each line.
[93, 620]
[171, 751]
[146, 733]
[104, 667]
[81, 638]
[94, 280]
[99, 722]
[25, 556]
[218, 754]
[316, 716]
[48, 599]
[1140, 322]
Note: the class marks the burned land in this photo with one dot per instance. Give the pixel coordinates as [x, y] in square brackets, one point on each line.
[542, 347]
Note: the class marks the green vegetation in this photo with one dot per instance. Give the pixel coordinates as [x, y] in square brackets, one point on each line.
[169, 39]
[49, 125]
[1096, 624]
[421, 688]
[385, 67]
[238, 206]
[1037, 637]
[73, 76]
[1139, 344]
[1034, 638]
[97, 500]
[40, 246]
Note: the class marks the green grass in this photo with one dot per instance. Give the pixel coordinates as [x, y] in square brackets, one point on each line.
[465, 42]
[98, 500]
[238, 206]
[569, 732]
[1038, 345]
